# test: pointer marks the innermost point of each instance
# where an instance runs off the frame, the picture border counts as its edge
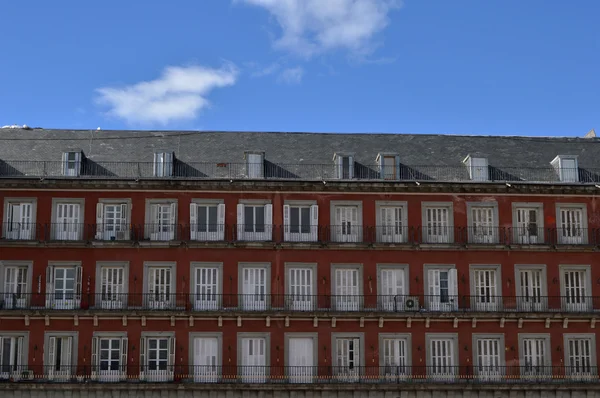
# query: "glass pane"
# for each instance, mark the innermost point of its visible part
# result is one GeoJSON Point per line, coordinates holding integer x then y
{"type": "Point", "coordinates": [212, 219]}
{"type": "Point", "coordinates": [248, 218]}
{"type": "Point", "coordinates": [294, 219]}
{"type": "Point", "coordinates": [260, 219]}
{"type": "Point", "coordinates": [305, 219]}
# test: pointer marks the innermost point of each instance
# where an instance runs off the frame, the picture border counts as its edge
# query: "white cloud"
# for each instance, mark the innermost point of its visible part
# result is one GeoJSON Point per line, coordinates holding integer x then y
{"type": "Point", "coordinates": [291, 75]}
{"type": "Point", "coordinates": [313, 26]}
{"type": "Point", "coordinates": [178, 94]}
{"type": "Point", "coordinates": [266, 71]}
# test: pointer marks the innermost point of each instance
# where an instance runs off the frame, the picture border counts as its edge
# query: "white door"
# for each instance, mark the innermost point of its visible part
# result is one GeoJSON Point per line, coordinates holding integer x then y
{"type": "Point", "coordinates": [206, 294]}
{"type": "Point", "coordinates": [529, 297]}
{"type": "Point", "coordinates": [255, 165]}
{"type": "Point", "coordinates": [479, 169]}
{"type": "Point", "coordinates": [66, 295]}
{"type": "Point", "coordinates": [527, 232]}
{"type": "Point", "coordinates": [568, 170]}
{"type": "Point", "coordinates": [392, 228]}
{"type": "Point", "coordinates": [486, 290]}
{"type": "Point", "coordinates": [114, 224]}
{"type": "Point", "coordinates": [442, 292]}
{"type": "Point", "coordinates": [112, 295]}
{"type": "Point", "coordinates": [488, 359]}
{"type": "Point", "coordinates": [347, 292]}
{"type": "Point", "coordinates": [301, 360]}
{"type": "Point", "coordinates": [159, 289]}
{"type": "Point", "coordinates": [347, 364]}
{"type": "Point", "coordinates": [254, 289]}
{"type": "Point", "coordinates": [163, 222]}
{"type": "Point", "coordinates": [254, 360]}
{"type": "Point", "coordinates": [20, 224]}
{"type": "Point", "coordinates": [158, 366]}
{"type": "Point", "coordinates": [571, 230]}
{"type": "Point", "coordinates": [437, 228]}
{"type": "Point", "coordinates": [392, 295]}
{"type": "Point", "coordinates": [110, 366]}
{"type": "Point", "coordinates": [575, 292]}
{"type": "Point", "coordinates": [346, 220]}
{"type": "Point", "coordinates": [442, 359]}
{"type": "Point", "coordinates": [534, 357]}
{"type": "Point", "coordinates": [301, 296]}
{"type": "Point", "coordinates": [15, 287]}
{"type": "Point", "coordinates": [10, 356]}
{"type": "Point", "coordinates": [67, 225]}
{"type": "Point", "coordinates": [394, 358]}
{"type": "Point", "coordinates": [59, 358]}
{"type": "Point", "coordinates": [206, 368]}
{"type": "Point", "coordinates": [580, 358]}
{"type": "Point", "coordinates": [482, 230]}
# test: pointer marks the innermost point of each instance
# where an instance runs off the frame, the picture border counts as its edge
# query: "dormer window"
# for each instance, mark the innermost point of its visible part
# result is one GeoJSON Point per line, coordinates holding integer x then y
{"type": "Point", "coordinates": [71, 164]}
{"type": "Point", "coordinates": [344, 166]}
{"type": "Point", "coordinates": [566, 167]}
{"type": "Point", "coordinates": [255, 164]}
{"type": "Point", "coordinates": [163, 164]}
{"type": "Point", "coordinates": [478, 167]}
{"type": "Point", "coordinates": [389, 166]}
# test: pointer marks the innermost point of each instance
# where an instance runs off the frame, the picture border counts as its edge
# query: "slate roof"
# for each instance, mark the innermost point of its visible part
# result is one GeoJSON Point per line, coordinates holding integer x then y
{"type": "Point", "coordinates": [415, 151]}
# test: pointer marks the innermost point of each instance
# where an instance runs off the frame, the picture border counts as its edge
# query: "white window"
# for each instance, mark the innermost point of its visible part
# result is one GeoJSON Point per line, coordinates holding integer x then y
{"type": "Point", "coordinates": [344, 166]}
{"type": "Point", "coordinates": [206, 285]}
{"type": "Point", "coordinates": [68, 224]}
{"type": "Point", "coordinates": [11, 356]}
{"type": "Point", "coordinates": [489, 352]}
{"type": "Point", "coordinates": [528, 224]}
{"type": "Point", "coordinates": [531, 288]}
{"type": "Point", "coordinates": [255, 287]}
{"type": "Point", "coordinates": [113, 289]}
{"type": "Point", "coordinates": [162, 221]}
{"type": "Point", "coordinates": [207, 221]}
{"type": "Point", "coordinates": [163, 164]}
{"type": "Point", "coordinates": [253, 362]}
{"type": "Point", "coordinates": [442, 289]}
{"type": "Point", "coordinates": [535, 356]}
{"type": "Point", "coordinates": [255, 164]}
{"type": "Point", "coordinates": [580, 356]}
{"type": "Point", "coordinates": [566, 167]}
{"type": "Point", "coordinates": [393, 288]}
{"type": "Point", "coordinates": [71, 164]}
{"type": "Point", "coordinates": [160, 285]}
{"type": "Point", "coordinates": [442, 357]}
{"type": "Point", "coordinates": [109, 358]}
{"type": "Point", "coordinates": [63, 287]}
{"type": "Point", "coordinates": [437, 223]}
{"type": "Point", "coordinates": [346, 225]}
{"type": "Point", "coordinates": [486, 288]}
{"type": "Point", "coordinates": [112, 221]}
{"type": "Point", "coordinates": [389, 165]}
{"type": "Point", "coordinates": [60, 357]}
{"type": "Point", "coordinates": [571, 224]}
{"type": "Point", "coordinates": [300, 223]}
{"type": "Point", "coordinates": [206, 359]}
{"type": "Point", "coordinates": [301, 359]}
{"type": "Point", "coordinates": [395, 356]}
{"type": "Point", "coordinates": [478, 168]}
{"type": "Point", "coordinates": [157, 358]}
{"type": "Point", "coordinates": [347, 359]}
{"type": "Point", "coordinates": [391, 222]}
{"type": "Point", "coordinates": [19, 222]}
{"type": "Point", "coordinates": [347, 288]}
{"type": "Point", "coordinates": [301, 294]}
{"type": "Point", "coordinates": [16, 286]}
{"type": "Point", "coordinates": [576, 288]}
{"type": "Point", "coordinates": [483, 223]}
{"type": "Point", "coordinates": [255, 222]}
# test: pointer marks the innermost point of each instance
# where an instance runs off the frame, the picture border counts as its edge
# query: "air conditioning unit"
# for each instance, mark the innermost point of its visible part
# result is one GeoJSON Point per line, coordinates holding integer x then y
{"type": "Point", "coordinates": [411, 303]}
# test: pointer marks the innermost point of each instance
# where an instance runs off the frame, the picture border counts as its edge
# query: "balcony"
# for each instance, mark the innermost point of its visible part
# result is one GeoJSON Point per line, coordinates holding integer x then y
{"type": "Point", "coordinates": [236, 374]}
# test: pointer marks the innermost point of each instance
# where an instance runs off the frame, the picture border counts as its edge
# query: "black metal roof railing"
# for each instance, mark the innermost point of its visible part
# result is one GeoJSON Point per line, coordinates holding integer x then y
{"type": "Point", "coordinates": [90, 169]}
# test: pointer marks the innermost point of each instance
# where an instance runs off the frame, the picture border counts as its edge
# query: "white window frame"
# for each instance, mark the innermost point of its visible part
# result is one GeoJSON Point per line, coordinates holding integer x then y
{"type": "Point", "coordinates": [296, 298]}
{"type": "Point", "coordinates": [486, 302]}
{"type": "Point", "coordinates": [434, 302]}
{"type": "Point", "coordinates": [341, 373]}
{"type": "Point", "coordinates": [157, 375]}
{"type": "Point", "coordinates": [576, 303]}
{"type": "Point", "coordinates": [494, 371]}
{"type": "Point", "coordinates": [566, 175]}
{"type": "Point", "coordinates": [121, 229]}
{"type": "Point", "coordinates": [442, 238]}
{"type": "Point", "coordinates": [301, 373]}
{"type": "Point", "coordinates": [255, 164]}
{"type": "Point", "coordinates": [19, 230]}
{"type": "Point", "coordinates": [251, 301]}
{"type": "Point", "coordinates": [345, 302]}
{"type": "Point", "coordinates": [109, 375]}
{"type": "Point", "coordinates": [313, 227]}
{"type": "Point", "coordinates": [207, 235]}
{"type": "Point", "coordinates": [483, 234]}
{"type": "Point", "coordinates": [392, 233]}
{"type": "Point", "coordinates": [384, 173]}
{"type": "Point", "coordinates": [339, 172]}
{"type": "Point", "coordinates": [206, 373]}
{"type": "Point", "coordinates": [74, 171]}
{"type": "Point", "coordinates": [159, 300]}
{"type": "Point", "coordinates": [21, 355]}
{"type": "Point", "coordinates": [397, 371]}
{"type": "Point", "coordinates": [163, 164]}
{"type": "Point", "coordinates": [74, 231]}
{"type": "Point", "coordinates": [265, 235]}
{"type": "Point", "coordinates": [477, 172]}
{"type": "Point", "coordinates": [521, 235]}
{"type": "Point", "coordinates": [15, 299]}
{"type": "Point", "coordinates": [337, 231]}
{"type": "Point", "coordinates": [447, 371]}
{"type": "Point", "coordinates": [249, 373]}
{"type": "Point", "coordinates": [533, 303]}
{"type": "Point", "coordinates": [572, 371]}
{"type": "Point", "coordinates": [206, 301]}
{"type": "Point", "coordinates": [154, 229]}
{"type": "Point", "coordinates": [572, 239]}
{"type": "Point", "coordinates": [538, 370]}
{"type": "Point", "coordinates": [397, 302]}
{"type": "Point", "coordinates": [61, 374]}
{"type": "Point", "coordinates": [65, 303]}
{"type": "Point", "coordinates": [112, 300]}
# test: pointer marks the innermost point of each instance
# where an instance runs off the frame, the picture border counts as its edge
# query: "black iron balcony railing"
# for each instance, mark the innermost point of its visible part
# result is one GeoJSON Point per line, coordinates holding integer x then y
{"type": "Point", "coordinates": [91, 169]}
{"type": "Point", "coordinates": [109, 299]}
{"type": "Point", "coordinates": [161, 371]}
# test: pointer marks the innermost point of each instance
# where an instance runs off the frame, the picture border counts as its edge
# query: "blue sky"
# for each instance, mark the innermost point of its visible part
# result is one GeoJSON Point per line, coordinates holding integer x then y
{"type": "Point", "coordinates": [414, 66]}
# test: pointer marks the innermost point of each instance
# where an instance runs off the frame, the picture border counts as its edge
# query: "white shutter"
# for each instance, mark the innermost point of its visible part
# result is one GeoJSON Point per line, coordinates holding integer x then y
{"type": "Point", "coordinates": [193, 221]}
{"type": "Point", "coordinates": [168, 164]}
{"type": "Point", "coordinates": [124, 355]}
{"type": "Point", "coordinates": [142, 355]}
{"type": "Point", "coordinates": [382, 167]}
{"type": "Point", "coordinates": [68, 353]}
{"type": "Point", "coordinates": [339, 164]}
{"type": "Point", "coordinates": [350, 167]}
{"type": "Point", "coordinates": [268, 221]}
{"type": "Point", "coordinates": [240, 221]}
{"type": "Point", "coordinates": [51, 352]}
{"type": "Point", "coordinates": [95, 348]}
{"type": "Point", "coordinates": [286, 223]}
{"type": "Point", "coordinates": [221, 220]}
{"type": "Point", "coordinates": [173, 220]}
{"type": "Point", "coordinates": [65, 163]}
{"type": "Point", "coordinates": [99, 220]}
{"type": "Point", "coordinates": [314, 223]}
{"type": "Point", "coordinates": [453, 285]}
{"type": "Point", "coordinates": [356, 229]}
{"type": "Point", "coordinates": [433, 280]}
{"type": "Point", "coordinates": [78, 279]}
{"type": "Point", "coordinates": [49, 282]}
{"type": "Point", "coordinates": [20, 359]}
{"type": "Point", "coordinates": [171, 354]}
